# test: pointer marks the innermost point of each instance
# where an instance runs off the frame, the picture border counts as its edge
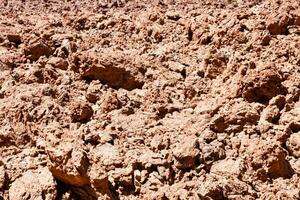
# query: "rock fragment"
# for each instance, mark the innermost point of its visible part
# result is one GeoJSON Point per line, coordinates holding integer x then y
{"type": "Point", "coordinates": [69, 165]}
{"type": "Point", "coordinates": [99, 181]}
{"type": "Point", "coordinates": [14, 37]}
{"type": "Point", "coordinates": [112, 70]}
{"type": "Point", "coordinates": [293, 144]}
{"type": "Point", "coordinates": [94, 92]}
{"type": "Point", "coordinates": [81, 112]}
{"type": "Point", "coordinates": [58, 62]}
{"type": "Point", "coordinates": [186, 153]}
{"type": "Point", "coordinates": [234, 116]}
{"type": "Point", "coordinates": [106, 154]}
{"type": "Point", "coordinates": [292, 117]}
{"type": "Point", "coordinates": [173, 15]}
{"type": "Point", "coordinates": [212, 152]}
{"type": "Point", "coordinates": [266, 159]}
{"type": "Point", "coordinates": [123, 177]}
{"type": "Point", "coordinates": [34, 50]}
{"type": "Point", "coordinates": [34, 184]}
{"type": "Point", "coordinates": [270, 114]}
{"type": "Point", "coordinates": [216, 187]}
{"type": "Point", "coordinates": [227, 167]}
{"type": "Point", "coordinates": [262, 84]}
{"type": "Point", "coordinates": [160, 142]}
{"type": "Point", "coordinates": [277, 24]}
{"type": "Point", "coordinates": [214, 64]}
{"type": "Point", "coordinates": [110, 102]}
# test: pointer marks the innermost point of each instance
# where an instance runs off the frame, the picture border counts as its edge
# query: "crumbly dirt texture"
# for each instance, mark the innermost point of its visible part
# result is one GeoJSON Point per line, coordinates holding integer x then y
{"type": "Point", "coordinates": [162, 99]}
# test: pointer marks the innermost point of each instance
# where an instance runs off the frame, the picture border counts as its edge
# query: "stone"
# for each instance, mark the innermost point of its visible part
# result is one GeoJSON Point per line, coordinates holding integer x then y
{"type": "Point", "coordinates": [81, 112]}
{"type": "Point", "coordinates": [14, 37]}
{"type": "Point", "coordinates": [110, 102]}
{"type": "Point", "coordinates": [292, 118]}
{"type": "Point", "coordinates": [173, 15]}
{"type": "Point", "coordinates": [266, 159]}
{"type": "Point", "coordinates": [111, 69]}
{"type": "Point", "coordinates": [59, 63]}
{"type": "Point", "coordinates": [277, 25]}
{"type": "Point", "coordinates": [269, 114]}
{"type": "Point", "coordinates": [123, 176]}
{"type": "Point", "coordinates": [293, 144]}
{"type": "Point", "coordinates": [99, 180]}
{"type": "Point", "coordinates": [69, 164]}
{"type": "Point", "coordinates": [227, 167]}
{"type": "Point", "coordinates": [94, 92]}
{"type": "Point", "coordinates": [107, 154]}
{"type": "Point", "coordinates": [262, 84]}
{"type": "Point", "coordinates": [34, 184]}
{"type": "Point", "coordinates": [36, 49]}
{"type": "Point", "coordinates": [234, 116]}
{"type": "Point", "coordinates": [186, 153]}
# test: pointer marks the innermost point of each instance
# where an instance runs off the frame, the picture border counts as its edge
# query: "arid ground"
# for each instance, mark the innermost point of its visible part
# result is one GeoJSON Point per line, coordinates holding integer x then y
{"type": "Point", "coordinates": [154, 100]}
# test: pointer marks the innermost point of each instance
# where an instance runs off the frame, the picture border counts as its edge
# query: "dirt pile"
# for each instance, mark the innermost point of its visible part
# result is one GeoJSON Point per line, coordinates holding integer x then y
{"type": "Point", "coordinates": [149, 99]}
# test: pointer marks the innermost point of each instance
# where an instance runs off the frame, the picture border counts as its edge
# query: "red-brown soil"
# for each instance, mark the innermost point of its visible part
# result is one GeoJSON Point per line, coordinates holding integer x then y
{"type": "Point", "coordinates": [163, 99]}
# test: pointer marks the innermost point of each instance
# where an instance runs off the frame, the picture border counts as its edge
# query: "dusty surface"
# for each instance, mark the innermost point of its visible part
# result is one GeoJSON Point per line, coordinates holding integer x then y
{"type": "Point", "coordinates": [149, 99]}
